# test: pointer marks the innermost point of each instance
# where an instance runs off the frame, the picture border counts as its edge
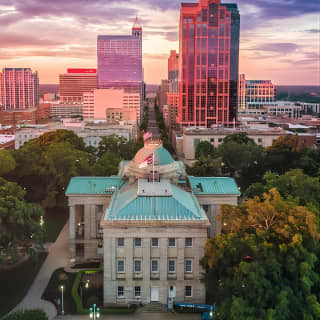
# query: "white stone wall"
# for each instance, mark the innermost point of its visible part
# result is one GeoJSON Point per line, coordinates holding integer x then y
{"type": "Point", "coordinates": [147, 279]}
{"type": "Point", "coordinates": [188, 145]}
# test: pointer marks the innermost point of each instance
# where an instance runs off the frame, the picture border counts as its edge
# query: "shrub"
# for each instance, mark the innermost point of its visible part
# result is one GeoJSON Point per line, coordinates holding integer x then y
{"type": "Point", "coordinates": [93, 300]}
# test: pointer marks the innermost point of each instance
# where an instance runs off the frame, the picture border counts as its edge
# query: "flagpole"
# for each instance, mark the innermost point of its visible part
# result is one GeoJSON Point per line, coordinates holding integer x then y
{"type": "Point", "coordinates": [153, 167]}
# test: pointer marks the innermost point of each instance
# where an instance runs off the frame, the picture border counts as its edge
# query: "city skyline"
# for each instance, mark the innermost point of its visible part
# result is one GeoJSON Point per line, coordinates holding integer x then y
{"type": "Point", "coordinates": [279, 40]}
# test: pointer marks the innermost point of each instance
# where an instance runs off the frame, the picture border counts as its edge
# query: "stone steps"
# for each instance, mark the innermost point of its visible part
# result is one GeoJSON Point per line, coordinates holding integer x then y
{"type": "Point", "coordinates": [154, 307]}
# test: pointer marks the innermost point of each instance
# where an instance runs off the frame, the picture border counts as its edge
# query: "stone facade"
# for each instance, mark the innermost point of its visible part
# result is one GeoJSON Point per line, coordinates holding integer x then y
{"type": "Point", "coordinates": [150, 277]}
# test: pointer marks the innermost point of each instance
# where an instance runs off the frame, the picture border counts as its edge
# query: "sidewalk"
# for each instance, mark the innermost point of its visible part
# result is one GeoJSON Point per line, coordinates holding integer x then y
{"type": "Point", "coordinates": [58, 257]}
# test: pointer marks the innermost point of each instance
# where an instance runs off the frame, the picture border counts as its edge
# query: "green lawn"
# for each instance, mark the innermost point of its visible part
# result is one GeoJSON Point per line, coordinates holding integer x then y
{"type": "Point", "coordinates": [55, 219]}
{"type": "Point", "coordinates": [15, 282]}
{"type": "Point", "coordinates": [53, 292]}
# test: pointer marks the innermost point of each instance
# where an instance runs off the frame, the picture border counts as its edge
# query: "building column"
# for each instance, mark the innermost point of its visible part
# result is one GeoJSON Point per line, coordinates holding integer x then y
{"type": "Point", "coordinates": [93, 222]}
{"type": "Point", "coordinates": [180, 269]}
{"type": "Point", "coordinates": [163, 270]}
{"type": "Point", "coordinates": [146, 284]}
{"type": "Point", "coordinates": [72, 232]}
{"type": "Point", "coordinates": [87, 222]}
{"type": "Point", "coordinates": [72, 222]}
{"type": "Point", "coordinates": [109, 286]}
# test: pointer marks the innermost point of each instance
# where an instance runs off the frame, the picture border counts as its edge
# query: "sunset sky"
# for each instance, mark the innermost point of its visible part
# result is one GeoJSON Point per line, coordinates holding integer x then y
{"type": "Point", "coordinates": [280, 39]}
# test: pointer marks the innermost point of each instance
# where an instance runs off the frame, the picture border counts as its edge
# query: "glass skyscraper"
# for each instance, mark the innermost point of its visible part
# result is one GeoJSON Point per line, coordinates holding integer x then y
{"type": "Point", "coordinates": [120, 59]}
{"type": "Point", "coordinates": [208, 64]}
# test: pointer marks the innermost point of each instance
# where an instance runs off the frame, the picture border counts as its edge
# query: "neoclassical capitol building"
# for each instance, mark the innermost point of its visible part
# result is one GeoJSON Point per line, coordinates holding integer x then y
{"type": "Point", "coordinates": [149, 226]}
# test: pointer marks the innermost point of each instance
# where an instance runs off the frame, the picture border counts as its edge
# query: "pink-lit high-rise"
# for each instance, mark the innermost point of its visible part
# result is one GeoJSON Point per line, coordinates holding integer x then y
{"type": "Point", "coordinates": [19, 89]}
{"type": "Point", "coordinates": [208, 63]}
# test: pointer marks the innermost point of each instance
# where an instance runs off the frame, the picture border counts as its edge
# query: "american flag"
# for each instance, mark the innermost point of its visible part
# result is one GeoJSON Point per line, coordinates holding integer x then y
{"type": "Point", "coordinates": [148, 161]}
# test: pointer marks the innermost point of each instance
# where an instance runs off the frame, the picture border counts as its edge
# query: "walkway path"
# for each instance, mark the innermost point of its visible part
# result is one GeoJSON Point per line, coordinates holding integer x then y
{"type": "Point", "coordinates": [58, 257]}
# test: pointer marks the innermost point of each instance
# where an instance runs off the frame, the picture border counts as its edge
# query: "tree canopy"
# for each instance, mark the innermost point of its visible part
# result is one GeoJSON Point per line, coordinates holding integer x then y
{"type": "Point", "coordinates": [7, 162]}
{"type": "Point", "coordinates": [293, 184]}
{"type": "Point", "coordinates": [19, 221]}
{"type": "Point", "coordinates": [205, 149]}
{"type": "Point", "coordinates": [265, 263]}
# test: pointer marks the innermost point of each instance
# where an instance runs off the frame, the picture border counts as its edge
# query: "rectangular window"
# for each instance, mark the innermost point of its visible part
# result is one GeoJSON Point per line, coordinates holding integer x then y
{"type": "Point", "coordinates": [137, 265]}
{"type": "Point", "coordinates": [137, 292]}
{"type": "Point", "coordinates": [154, 266]}
{"type": "Point", "coordinates": [120, 242]}
{"type": "Point", "coordinates": [187, 265]}
{"type": "Point", "coordinates": [99, 208]}
{"type": "Point", "coordinates": [188, 291]}
{"type": "Point", "coordinates": [188, 242]}
{"type": "Point", "coordinates": [137, 242]}
{"type": "Point", "coordinates": [155, 242]}
{"type": "Point", "coordinates": [172, 242]}
{"type": "Point", "coordinates": [120, 265]}
{"type": "Point", "coordinates": [171, 266]}
{"type": "Point", "coordinates": [120, 292]}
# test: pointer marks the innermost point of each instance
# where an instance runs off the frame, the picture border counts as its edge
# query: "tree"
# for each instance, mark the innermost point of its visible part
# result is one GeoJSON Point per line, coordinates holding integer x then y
{"type": "Point", "coordinates": [107, 165]}
{"type": "Point", "coordinates": [309, 161]}
{"type": "Point", "coordinates": [59, 136]}
{"type": "Point", "coordinates": [242, 158]}
{"type": "Point", "coordinates": [205, 167]}
{"type": "Point", "coordinates": [7, 162]}
{"type": "Point", "coordinates": [205, 149]}
{"type": "Point", "coordinates": [264, 264]}
{"type": "Point", "coordinates": [240, 138]}
{"type": "Point", "coordinates": [19, 221]}
{"type": "Point", "coordinates": [64, 163]}
{"type": "Point", "coordinates": [32, 171]}
{"type": "Point", "coordinates": [111, 144]}
{"type": "Point", "coordinates": [283, 153]}
{"type": "Point", "coordinates": [293, 184]}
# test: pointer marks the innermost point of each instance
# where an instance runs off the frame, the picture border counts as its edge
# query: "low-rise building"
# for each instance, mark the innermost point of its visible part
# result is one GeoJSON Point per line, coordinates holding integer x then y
{"type": "Point", "coordinates": [149, 226]}
{"type": "Point", "coordinates": [192, 136]}
{"type": "Point", "coordinates": [7, 141]}
{"type": "Point", "coordinates": [59, 110]}
{"type": "Point", "coordinates": [90, 132]}
{"type": "Point", "coordinates": [97, 103]}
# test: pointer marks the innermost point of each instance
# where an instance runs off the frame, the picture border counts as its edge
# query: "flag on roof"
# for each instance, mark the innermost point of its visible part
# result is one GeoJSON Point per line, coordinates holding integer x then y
{"type": "Point", "coordinates": [148, 161]}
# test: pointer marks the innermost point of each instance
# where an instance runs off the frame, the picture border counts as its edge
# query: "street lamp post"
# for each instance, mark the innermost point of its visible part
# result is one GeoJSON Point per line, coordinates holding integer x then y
{"type": "Point", "coordinates": [62, 306]}
{"type": "Point", "coordinates": [94, 312]}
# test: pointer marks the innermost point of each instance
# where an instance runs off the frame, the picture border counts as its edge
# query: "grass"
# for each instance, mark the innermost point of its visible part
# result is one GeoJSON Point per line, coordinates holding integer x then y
{"type": "Point", "coordinates": [55, 219]}
{"type": "Point", "coordinates": [16, 281]}
{"type": "Point", "coordinates": [53, 292]}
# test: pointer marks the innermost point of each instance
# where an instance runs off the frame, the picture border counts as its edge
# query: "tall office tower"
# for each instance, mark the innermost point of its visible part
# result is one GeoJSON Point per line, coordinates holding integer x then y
{"type": "Point", "coordinates": [173, 71]}
{"type": "Point", "coordinates": [208, 63]}
{"type": "Point", "coordinates": [163, 92]}
{"type": "Point", "coordinates": [19, 88]}
{"type": "Point", "coordinates": [75, 82]}
{"type": "Point", "coordinates": [120, 62]}
{"type": "Point", "coordinates": [173, 94]}
{"type": "Point", "coordinates": [120, 59]}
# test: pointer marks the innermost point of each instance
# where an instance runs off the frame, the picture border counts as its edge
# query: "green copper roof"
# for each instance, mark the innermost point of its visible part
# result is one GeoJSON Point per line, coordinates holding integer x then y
{"type": "Point", "coordinates": [213, 185]}
{"type": "Point", "coordinates": [127, 205]}
{"type": "Point", "coordinates": [93, 185]}
{"type": "Point", "coordinates": [162, 156]}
